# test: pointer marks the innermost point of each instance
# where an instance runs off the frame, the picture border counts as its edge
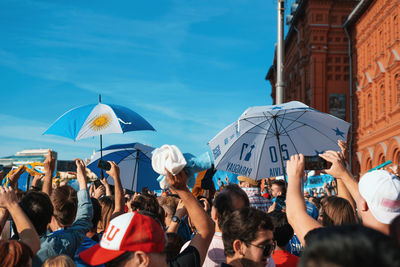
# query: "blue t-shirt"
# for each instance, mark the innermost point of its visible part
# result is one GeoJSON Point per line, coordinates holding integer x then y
{"type": "Point", "coordinates": [294, 246]}
{"type": "Point", "coordinates": [87, 243]}
{"type": "Point", "coordinates": [312, 210]}
{"type": "Point", "coordinates": [280, 203]}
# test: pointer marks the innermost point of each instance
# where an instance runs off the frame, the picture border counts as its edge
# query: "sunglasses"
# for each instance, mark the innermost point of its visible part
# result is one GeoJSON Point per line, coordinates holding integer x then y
{"type": "Point", "coordinates": [267, 249]}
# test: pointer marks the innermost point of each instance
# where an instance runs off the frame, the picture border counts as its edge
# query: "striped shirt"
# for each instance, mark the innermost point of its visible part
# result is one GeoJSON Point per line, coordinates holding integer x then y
{"type": "Point", "coordinates": [256, 200]}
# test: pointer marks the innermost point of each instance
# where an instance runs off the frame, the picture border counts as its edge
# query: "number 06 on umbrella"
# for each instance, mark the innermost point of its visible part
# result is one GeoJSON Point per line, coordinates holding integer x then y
{"type": "Point", "coordinates": [260, 142]}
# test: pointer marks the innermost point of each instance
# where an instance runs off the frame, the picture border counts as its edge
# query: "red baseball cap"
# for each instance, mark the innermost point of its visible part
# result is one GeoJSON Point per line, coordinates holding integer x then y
{"type": "Point", "coordinates": [127, 232]}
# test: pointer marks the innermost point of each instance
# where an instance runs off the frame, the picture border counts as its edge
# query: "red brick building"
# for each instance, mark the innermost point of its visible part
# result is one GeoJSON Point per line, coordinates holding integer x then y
{"type": "Point", "coordinates": [375, 48]}
{"type": "Point", "coordinates": [363, 89]}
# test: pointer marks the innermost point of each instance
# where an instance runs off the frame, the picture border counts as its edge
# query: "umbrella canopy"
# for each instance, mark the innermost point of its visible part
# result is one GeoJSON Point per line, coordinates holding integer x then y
{"type": "Point", "coordinates": [134, 162]}
{"type": "Point", "coordinates": [258, 144]}
{"type": "Point", "coordinates": [97, 119]}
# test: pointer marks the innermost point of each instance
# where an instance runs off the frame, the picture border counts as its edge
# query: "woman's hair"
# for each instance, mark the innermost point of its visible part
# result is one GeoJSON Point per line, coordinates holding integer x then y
{"type": "Point", "coordinates": [65, 202]}
{"type": "Point", "coordinates": [59, 261]}
{"type": "Point", "coordinates": [337, 211]}
{"type": "Point", "coordinates": [14, 253]}
{"type": "Point", "coordinates": [107, 209]}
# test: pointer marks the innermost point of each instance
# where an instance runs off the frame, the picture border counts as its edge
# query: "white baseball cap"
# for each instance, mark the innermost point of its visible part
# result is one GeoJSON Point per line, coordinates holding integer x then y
{"type": "Point", "coordinates": [381, 191]}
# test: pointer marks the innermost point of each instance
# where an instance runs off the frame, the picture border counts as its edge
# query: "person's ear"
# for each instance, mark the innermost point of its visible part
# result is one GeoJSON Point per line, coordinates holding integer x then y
{"type": "Point", "coordinates": [214, 215]}
{"type": "Point", "coordinates": [141, 259]}
{"type": "Point", "coordinates": [363, 205]}
{"type": "Point", "coordinates": [238, 247]}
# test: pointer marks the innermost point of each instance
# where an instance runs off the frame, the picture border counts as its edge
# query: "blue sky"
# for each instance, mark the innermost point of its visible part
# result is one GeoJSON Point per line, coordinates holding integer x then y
{"type": "Point", "coordinates": [189, 67]}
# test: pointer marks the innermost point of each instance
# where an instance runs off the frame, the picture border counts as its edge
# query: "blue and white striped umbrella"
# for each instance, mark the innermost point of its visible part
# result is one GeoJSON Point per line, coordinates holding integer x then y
{"type": "Point", "coordinates": [260, 142]}
{"type": "Point", "coordinates": [134, 162]}
{"type": "Point", "coordinates": [97, 119]}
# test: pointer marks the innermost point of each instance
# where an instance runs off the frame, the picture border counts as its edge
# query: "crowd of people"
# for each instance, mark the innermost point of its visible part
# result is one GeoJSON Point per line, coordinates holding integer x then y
{"type": "Point", "coordinates": [355, 223]}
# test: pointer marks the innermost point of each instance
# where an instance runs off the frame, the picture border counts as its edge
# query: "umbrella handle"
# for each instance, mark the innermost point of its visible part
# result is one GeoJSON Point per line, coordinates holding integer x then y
{"type": "Point", "coordinates": [280, 151]}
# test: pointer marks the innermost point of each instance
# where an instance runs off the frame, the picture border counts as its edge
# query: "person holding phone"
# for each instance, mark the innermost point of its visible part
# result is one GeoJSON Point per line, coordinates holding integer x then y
{"type": "Point", "coordinates": [336, 210]}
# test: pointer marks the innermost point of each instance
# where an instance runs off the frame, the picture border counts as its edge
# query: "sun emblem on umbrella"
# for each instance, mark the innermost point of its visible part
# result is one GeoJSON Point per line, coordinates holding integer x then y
{"type": "Point", "coordinates": [100, 122]}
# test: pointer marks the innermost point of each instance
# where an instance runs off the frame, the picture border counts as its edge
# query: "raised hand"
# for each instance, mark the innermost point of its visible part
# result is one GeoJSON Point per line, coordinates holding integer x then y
{"type": "Point", "coordinates": [338, 168]}
{"type": "Point", "coordinates": [99, 191]}
{"type": "Point", "coordinates": [114, 171]}
{"type": "Point", "coordinates": [177, 182]}
{"type": "Point", "coordinates": [104, 181]}
{"type": "Point", "coordinates": [81, 173]}
{"type": "Point", "coordinates": [7, 197]}
{"type": "Point", "coordinates": [14, 176]}
{"type": "Point", "coordinates": [49, 163]}
{"type": "Point", "coordinates": [106, 186]}
{"type": "Point", "coordinates": [295, 167]}
{"type": "Point", "coordinates": [37, 178]}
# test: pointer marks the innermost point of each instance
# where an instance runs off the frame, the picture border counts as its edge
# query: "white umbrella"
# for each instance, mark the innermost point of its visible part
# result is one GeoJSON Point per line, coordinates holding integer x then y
{"type": "Point", "coordinates": [258, 144]}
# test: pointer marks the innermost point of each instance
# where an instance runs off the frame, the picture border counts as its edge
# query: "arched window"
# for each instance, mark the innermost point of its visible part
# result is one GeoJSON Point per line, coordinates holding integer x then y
{"type": "Point", "coordinates": [381, 159]}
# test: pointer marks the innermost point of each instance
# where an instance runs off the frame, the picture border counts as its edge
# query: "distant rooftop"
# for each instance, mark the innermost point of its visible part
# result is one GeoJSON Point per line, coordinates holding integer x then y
{"type": "Point", "coordinates": [32, 152]}
{"type": "Point", "coordinates": [24, 157]}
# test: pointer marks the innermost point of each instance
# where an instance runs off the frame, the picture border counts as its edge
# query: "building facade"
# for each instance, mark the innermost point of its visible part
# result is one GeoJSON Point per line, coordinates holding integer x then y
{"type": "Point", "coordinates": [316, 64]}
{"type": "Point", "coordinates": [375, 48]}
{"type": "Point", "coordinates": [364, 88]}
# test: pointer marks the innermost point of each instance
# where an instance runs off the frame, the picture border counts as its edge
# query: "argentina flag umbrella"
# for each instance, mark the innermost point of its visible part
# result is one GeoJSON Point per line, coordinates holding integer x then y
{"type": "Point", "coordinates": [260, 142]}
{"type": "Point", "coordinates": [97, 120]}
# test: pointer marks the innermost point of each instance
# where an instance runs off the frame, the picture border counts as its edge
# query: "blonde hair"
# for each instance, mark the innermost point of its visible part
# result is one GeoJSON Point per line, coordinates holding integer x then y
{"type": "Point", "coordinates": [59, 261]}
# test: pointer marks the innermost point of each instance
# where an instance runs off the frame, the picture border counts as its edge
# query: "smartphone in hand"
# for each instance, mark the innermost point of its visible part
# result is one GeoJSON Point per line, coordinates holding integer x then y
{"type": "Point", "coordinates": [102, 164]}
{"type": "Point", "coordinates": [315, 163]}
{"type": "Point", "coordinates": [97, 183]}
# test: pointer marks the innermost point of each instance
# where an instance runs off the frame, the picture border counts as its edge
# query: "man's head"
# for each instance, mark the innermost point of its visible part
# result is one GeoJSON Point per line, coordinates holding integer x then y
{"type": "Point", "coordinates": [248, 237]}
{"type": "Point", "coordinates": [147, 202]}
{"type": "Point", "coordinates": [129, 240]}
{"type": "Point", "coordinates": [37, 206]}
{"type": "Point", "coordinates": [231, 198]}
{"type": "Point", "coordinates": [278, 188]}
{"type": "Point", "coordinates": [65, 203]}
{"type": "Point", "coordinates": [349, 245]}
{"type": "Point", "coordinates": [247, 182]}
{"type": "Point", "coordinates": [283, 232]}
{"type": "Point", "coordinates": [380, 202]}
